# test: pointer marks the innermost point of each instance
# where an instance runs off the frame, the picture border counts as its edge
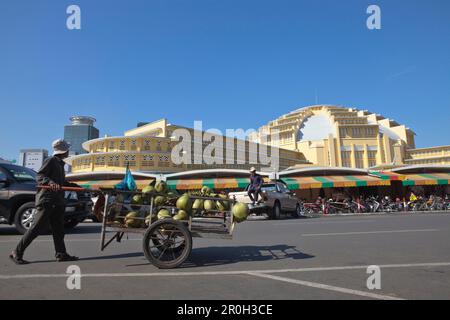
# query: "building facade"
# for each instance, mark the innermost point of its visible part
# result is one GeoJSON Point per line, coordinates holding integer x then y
{"type": "Point", "coordinates": [148, 148]}
{"type": "Point", "coordinates": [80, 130]}
{"type": "Point", "coordinates": [32, 158]}
{"type": "Point", "coordinates": [320, 135]}
{"type": "Point", "coordinates": [347, 137]}
{"type": "Point", "coordinates": [432, 155]}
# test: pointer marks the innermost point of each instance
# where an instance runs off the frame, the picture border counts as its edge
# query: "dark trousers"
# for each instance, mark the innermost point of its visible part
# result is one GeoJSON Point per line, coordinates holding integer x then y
{"type": "Point", "coordinates": [47, 215]}
{"type": "Point", "coordinates": [254, 191]}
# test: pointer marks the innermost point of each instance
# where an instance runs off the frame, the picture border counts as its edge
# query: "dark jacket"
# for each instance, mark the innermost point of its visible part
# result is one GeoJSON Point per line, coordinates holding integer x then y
{"type": "Point", "coordinates": [256, 181]}
{"type": "Point", "coordinates": [52, 170]}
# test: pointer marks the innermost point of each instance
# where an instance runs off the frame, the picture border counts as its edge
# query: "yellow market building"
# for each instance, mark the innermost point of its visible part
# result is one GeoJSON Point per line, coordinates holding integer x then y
{"type": "Point", "coordinates": [334, 136]}
{"type": "Point", "coordinates": [320, 135]}
{"type": "Point", "coordinates": [148, 148]}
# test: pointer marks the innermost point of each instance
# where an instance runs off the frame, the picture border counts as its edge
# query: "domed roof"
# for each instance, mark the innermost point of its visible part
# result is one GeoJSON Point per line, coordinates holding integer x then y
{"type": "Point", "coordinates": [318, 122]}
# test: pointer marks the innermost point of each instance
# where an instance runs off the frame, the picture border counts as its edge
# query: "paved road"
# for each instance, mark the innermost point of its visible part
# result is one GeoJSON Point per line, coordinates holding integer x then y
{"type": "Point", "coordinates": [320, 258]}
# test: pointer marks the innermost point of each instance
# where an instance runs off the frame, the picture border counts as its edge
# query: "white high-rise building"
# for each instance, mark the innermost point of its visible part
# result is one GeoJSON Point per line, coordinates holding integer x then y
{"type": "Point", "coordinates": [32, 158]}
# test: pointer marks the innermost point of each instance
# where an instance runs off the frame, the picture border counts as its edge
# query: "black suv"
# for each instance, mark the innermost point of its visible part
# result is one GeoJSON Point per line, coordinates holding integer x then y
{"type": "Point", "coordinates": [17, 195]}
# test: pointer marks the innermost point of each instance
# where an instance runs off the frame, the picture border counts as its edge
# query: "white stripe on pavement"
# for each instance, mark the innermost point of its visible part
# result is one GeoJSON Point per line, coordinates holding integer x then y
{"type": "Point", "coordinates": [321, 222]}
{"type": "Point", "coordinates": [225, 273]}
{"type": "Point", "coordinates": [325, 287]}
{"type": "Point", "coordinates": [366, 232]}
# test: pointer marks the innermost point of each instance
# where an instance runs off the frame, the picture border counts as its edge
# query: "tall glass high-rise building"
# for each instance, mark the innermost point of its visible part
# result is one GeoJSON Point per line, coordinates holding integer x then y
{"type": "Point", "coordinates": [80, 130]}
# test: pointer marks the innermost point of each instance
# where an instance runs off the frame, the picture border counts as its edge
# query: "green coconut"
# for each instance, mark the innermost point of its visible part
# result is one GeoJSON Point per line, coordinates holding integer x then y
{"type": "Point", "coordinates": [148, 190]}
{"type": "Point", "coordinates": [181, 215]}
{"type": "Point", "coordinates": [137, 199]}
{"type": "Point", "coordinates": [172, 194]}
{"type": "Point", "coordinates": [163, 214]}
{"type": "Point", "coordinates": [240, 212]}
{"type": "Point", "coordinates": [209, 205]}
{"type": "Point", "coordinates": [150, 217]}
{"type": "Point", "coordinates": [132, 215]}
{"type": "Point", "coordinates": [160, 186]}
{"type": "Point", "coordinates": [220, 206]}
{"type": "Point", "coordinates": [205, 190]}
{"type": "Point", "coordinates": [116, 223]}
{"type": "Point", "coordinates": [184, 203]}
{"type": "Point", "coordinates": [198, 204]}
{"type": "Point", "coordinates": [159, 201]}
{"type": "Point", "coordinates": [131, 221]}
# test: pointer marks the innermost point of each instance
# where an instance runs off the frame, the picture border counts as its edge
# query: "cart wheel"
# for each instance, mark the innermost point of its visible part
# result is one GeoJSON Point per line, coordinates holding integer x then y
{"type": "Point", "coordinates": [179, 246]}
{"type": "Point", "coordinates": [167, 243]}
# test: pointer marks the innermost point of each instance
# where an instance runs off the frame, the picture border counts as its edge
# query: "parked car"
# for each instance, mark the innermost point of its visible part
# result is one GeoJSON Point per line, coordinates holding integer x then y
{"type": "Point", "coordinates": [17, 199]}
{"type": "Point", "coordinates": [277, 199]}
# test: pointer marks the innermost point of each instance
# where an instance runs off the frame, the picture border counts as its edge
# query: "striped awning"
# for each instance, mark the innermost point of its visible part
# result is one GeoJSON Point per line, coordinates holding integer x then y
{"type": "Point", "coordinates": [214, 183]}
{"type": "Point", "coordinates": [107, 184]}
{"type": "Point", "coordinates": [418, 179]}
{"type": "Point", "coordinates": [423, 179]}
{"type": "Point", "coordinates": [392, 176]}
{"type": "Point", "coordinates": [295, 183]}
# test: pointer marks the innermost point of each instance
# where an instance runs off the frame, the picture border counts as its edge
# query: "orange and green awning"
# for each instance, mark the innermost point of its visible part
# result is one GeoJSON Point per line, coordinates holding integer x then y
{"type": "Point", "coordinates": [424, 179]}
{"type": "Point", "coordinates": [295, 183]}
{"type": "Point", "coordinates": [213, 183]}
{"type": "Point", "coordinates": [418, 179]}
{"type": "Point", "coordinates": [392, 176]}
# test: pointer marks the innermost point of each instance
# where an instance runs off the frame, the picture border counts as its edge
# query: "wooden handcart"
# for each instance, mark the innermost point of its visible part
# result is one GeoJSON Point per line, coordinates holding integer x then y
{"type": "Point", "coordinates": [167, 243]}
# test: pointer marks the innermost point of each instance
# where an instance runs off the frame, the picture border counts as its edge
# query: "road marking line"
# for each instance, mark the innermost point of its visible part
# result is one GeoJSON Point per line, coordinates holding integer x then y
{"type": "Point", "coordinates": [409, 265]}
{"type": "Point", "coordinates": [321, 222]}
{"type": "Point", "coordinates": [215, 273]}
{"type": "Point", "coordinates": [325, 287]}
{"type": "Point", "coordinates": [366, 232]}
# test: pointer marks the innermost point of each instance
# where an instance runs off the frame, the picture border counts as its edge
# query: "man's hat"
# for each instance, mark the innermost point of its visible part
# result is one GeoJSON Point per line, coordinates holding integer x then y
{"type": "Point", "coordinates": [60, 147]}
{"type": "Point", "coordinates": [252, 169]}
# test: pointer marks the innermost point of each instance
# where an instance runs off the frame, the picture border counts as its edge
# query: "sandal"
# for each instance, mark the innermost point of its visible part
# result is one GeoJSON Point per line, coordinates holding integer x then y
{"type": "Point", "coordinates": [62, 257]}
{"type": "Point", "coordinates": [16, 259]}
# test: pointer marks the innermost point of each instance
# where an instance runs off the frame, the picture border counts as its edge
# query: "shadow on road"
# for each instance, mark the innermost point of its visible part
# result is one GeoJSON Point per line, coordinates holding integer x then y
{"type": "Point", "coordinates": [213, 256]}
{"type": "Point", "coordinates": [86, 228]}
{"type": "Point", "coordinates": [114, 256]}
{"type": "Point", "coordinates": [110, 257]}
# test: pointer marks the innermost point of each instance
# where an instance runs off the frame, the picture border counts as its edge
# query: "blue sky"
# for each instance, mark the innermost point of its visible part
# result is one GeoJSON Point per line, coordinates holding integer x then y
{"type": "Point", "coordinates": [230, 63]}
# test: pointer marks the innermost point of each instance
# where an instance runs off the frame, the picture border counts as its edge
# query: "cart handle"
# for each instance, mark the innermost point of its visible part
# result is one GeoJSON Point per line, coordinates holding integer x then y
{"type": "Point", "coordinates": [76, 189]}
